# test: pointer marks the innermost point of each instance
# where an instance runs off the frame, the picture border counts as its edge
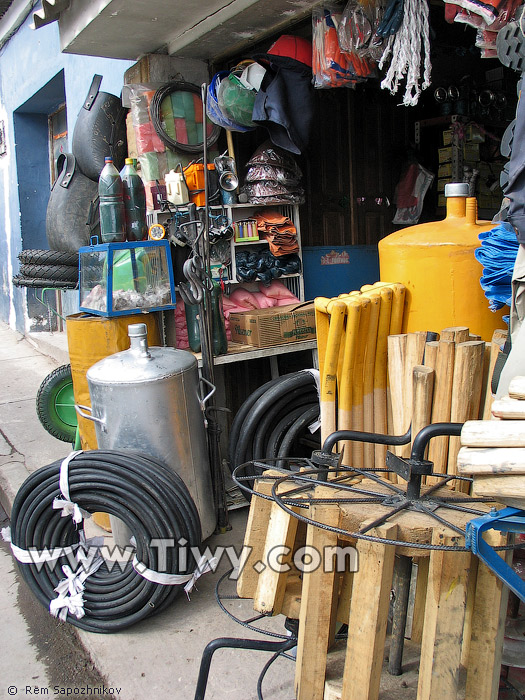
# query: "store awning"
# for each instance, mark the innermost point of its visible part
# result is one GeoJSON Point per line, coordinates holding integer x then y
{"type": "Point", "coordinates": [201, 30]}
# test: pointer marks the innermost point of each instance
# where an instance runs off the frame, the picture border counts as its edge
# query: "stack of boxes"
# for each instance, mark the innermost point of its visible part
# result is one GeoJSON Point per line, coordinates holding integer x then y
{"type": "Point", "coordinates": [460, 157]}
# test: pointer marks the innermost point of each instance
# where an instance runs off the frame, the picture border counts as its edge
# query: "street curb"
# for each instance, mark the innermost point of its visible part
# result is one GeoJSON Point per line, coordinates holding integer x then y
{"type": "Point", "coordinates": [12, 475]}
{"type": "Point", "coordinates": [53, 345]}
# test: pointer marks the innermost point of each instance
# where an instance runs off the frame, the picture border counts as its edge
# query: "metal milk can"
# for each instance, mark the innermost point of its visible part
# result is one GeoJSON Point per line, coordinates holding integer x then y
{"type": "Point", "coordinates": [147, 400]}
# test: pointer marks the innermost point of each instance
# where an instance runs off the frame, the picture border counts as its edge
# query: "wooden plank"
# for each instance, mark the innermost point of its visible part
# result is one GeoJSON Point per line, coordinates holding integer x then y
{"type": "Point", "coordinates": [271, 584]}
{"type": "Point", "coordinates": [368, 617]}
{"type": "Point", "coordinates": [491, 460]}
{"type": "Point", "coordinates": [444, 373]}
{"type": "Point", "coordinates": [444, 618]}
{"type": "Point", "coordinates": [345, 597]}
{"type": "Point", "coordinates": [488, 624]}
{"type": "Point", "coordinates": [317, 615]}
{"type": "Point", "coordinates": [418, 615]}
{"type": "Point", "coordinates": [508, 408]}
{"type": "Point", "coordinates": [487, 433]}
{"type": "Point", "coordinates": [469, 611]}
{"type": "Point", "coordinates": [507, 489]}
{"type": "Point", "coordinates": [254, 540]}
{"type": "Point", "coordinates": [517, 388]}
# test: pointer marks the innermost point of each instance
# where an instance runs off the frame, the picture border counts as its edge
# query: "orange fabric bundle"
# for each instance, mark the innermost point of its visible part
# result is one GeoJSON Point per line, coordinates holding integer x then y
{"type": "Point", "coordinates": [279, 231]}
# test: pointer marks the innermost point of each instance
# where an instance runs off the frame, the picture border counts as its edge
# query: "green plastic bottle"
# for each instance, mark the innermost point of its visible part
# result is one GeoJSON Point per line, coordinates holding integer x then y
{"type": "Point", "coordinates": [134, 202]}
{"type": "Point", "coordinates": [219, 340]}
{"type": "Point", "coordinates": [112, 216]}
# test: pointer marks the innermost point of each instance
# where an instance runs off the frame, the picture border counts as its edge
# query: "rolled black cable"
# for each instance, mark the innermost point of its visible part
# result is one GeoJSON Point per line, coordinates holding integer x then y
{"type": "Point", "coordinates": [301, 423]}
{"type": "Point", "coordinates": [242, 413]}
{"type": "Point", "coordinates": [287, 384]}
{"type": "Point", "coordinates": [142, 492]}
{"type": "Point", "coordinates": [281, 429]}
{"type": "Point", "coordinates": [302, 396]}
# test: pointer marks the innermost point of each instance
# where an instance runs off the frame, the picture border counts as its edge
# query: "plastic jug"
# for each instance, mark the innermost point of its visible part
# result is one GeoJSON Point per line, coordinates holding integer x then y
{"type": "Point", "coordinates": [134, 202]}
{"type": "Point", "coordinates": [176, 189]}
{"type": "Point", "coordinates": [112, 216]}
{"type": "Point", "coordinates": [436, 263]}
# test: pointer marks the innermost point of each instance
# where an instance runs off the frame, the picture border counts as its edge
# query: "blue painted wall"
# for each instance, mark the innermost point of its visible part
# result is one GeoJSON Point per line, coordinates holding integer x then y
{"type": "Point", "coordinates": [354, 266]}
{"type": "Point", "coordinates": [34, 78]}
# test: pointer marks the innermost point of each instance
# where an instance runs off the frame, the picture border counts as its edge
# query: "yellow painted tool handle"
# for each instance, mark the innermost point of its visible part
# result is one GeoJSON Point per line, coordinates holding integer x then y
{"type": "Point", "coordinates": [337, 311]}
{"type": "Point", "coordinates": [344, 416]}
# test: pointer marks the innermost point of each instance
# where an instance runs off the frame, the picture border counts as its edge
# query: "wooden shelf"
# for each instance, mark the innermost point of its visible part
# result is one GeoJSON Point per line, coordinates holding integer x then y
{"type": "Point", "coordinates": [237, 352]}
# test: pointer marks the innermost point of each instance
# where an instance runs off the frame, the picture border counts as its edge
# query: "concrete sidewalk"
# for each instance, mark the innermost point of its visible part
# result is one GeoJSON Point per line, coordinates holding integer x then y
{"type": "Point", "coordinates": [160, 657]}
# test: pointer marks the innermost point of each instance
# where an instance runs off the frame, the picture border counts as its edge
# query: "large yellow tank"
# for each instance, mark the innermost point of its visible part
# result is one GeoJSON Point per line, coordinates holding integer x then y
{"type": "Point", "coordinates": [436, 263]}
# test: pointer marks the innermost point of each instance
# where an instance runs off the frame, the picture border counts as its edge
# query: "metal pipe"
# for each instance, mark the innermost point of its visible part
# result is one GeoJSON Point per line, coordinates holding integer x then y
{"type": "Point", "coordinates": [401, 585]}
{"type": "Point", "coordinates": [376, 438]}
{"type": "Point", "coordinates": [230, 643]}
{"type": "Point", "coordinates": [422, 439]}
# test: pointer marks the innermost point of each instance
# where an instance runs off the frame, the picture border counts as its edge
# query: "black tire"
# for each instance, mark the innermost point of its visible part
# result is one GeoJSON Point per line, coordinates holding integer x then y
{"type": "Point", "coordinates": [48, 257]}
{"type": "Point", "coordinates": [36, 283]}
{"type": "Point", "coordinates": [55, 405]}
{"type": "Point", "coordinates": [62, 273]}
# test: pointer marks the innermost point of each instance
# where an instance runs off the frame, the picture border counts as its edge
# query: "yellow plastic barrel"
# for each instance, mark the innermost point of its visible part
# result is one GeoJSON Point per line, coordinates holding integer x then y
{"type": "Point", "coordinates": [436, 263]}
{"type": "Point", "coordinates": [90, 339]}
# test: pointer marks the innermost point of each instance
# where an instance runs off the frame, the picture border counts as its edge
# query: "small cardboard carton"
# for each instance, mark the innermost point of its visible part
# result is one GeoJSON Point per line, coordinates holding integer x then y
{"type": "Point", "coordinates": [263, 328]}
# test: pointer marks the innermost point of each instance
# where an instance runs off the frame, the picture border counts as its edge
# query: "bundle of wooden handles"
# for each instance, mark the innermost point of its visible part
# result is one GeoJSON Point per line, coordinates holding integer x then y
{"type": "Point", "coordinates": [376, 379]}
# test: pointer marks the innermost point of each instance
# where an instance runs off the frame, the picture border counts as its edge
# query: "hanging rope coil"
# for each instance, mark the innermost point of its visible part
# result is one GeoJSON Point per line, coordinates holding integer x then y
{"type": "Point", "coordinates": [405, 48]}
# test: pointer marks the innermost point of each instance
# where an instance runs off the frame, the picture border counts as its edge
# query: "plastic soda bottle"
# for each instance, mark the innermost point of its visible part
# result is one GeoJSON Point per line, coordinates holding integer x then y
{"type": "Point", "coordinates": [112, 217]}
{"type": "Point", "coordinates": [134, 202]}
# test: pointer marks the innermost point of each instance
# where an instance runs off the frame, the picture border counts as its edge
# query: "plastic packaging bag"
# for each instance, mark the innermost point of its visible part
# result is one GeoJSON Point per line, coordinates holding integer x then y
{"type": "Point", "coordinates": [331, 67]}
{"type": "Point", "coordinates": [410, 193]}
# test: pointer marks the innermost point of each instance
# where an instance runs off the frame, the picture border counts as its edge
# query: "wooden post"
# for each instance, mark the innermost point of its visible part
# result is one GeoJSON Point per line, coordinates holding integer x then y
{"type": "Point", "coordinates": [318, 606]}
{"type": "Point", "coordinates": [418, 616]}
{"type": "Point", "coordinates": [368, 616]}
{"type": "Point", "coordinates": [357, 381]}
{"type": "Point", "coordinates": [458, 334]}
{"type": "Point", "coordinates": [438, 447]}
{"type": "Point", "coordinates": [397, 345]}
{"type": "Point", "coordinates": [466, 395]}
{"type": "Point", "coordinates": [368, 376]}
{"type": "Point", "coordinates": [380, 374]}
{"type": "Point", "coordinates": [271, 583]}
{"type": "Point", "coordinates": [415, 351]}
{"type": "Point", "coordinates": [444, 618]}
{"type": "Point", "coordinates": [488, 624]}
{"type": "Point", "coordinates": [498, 341]}
{"type": "Point", "coordinates": [423, 385]}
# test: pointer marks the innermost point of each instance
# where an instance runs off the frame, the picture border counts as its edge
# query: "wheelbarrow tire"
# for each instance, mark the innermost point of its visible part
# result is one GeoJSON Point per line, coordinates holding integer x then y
{"type": "Point", "coordinates": [62, 273]}
{"type": "Point", "coordinates": [55, 404]}
{"type": "Point", "coordinates": [48, 257]}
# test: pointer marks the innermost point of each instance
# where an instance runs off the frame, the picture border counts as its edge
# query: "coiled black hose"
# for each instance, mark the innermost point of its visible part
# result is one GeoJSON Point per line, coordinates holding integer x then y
{"type": "Point", "coordinates": [156, 118]}
{"type": "Point", "coordinates": [142, 492]}
{"type": "Point", "coordinates": [264, 420]}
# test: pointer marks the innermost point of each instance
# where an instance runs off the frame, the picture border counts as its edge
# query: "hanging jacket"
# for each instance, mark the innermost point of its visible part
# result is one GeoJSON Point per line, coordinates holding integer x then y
{"type": "Point", "coordinates": [515, 188]}
{"type": "Point", "coordinates": [284, 105]}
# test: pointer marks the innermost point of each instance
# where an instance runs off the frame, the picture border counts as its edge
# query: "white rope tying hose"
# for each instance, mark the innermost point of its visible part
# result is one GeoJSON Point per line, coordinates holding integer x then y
{"type": "Point", "coordinates": [405, 47]}
{"type": "Point", "coordinates": [204, 565]}
{"type": "Point", "coordinates": [66, 505]}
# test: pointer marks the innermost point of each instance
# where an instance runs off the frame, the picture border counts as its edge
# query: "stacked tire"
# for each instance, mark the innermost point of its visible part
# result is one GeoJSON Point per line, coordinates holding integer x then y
{"type": "Point", "coordinates": [47, 268]}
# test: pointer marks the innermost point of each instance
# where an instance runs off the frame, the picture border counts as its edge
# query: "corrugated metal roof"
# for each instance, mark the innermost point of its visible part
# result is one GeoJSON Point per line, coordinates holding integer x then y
{"type": "Point", "coordinates": [4, 6]}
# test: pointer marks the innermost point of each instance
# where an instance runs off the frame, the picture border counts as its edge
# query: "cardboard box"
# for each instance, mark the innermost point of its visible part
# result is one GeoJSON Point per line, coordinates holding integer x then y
{"type": "Point", "coordinates": [445, 154]}
{"type": "Point", "coordinates": [447, 137]}
{"type": "Point", "coordinates": [263, 328]}
{"type": "Point", "coordinates": [445, 170]}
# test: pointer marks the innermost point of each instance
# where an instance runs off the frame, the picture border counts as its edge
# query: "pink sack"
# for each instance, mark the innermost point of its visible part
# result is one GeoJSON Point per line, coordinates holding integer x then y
{"type": "Point", "coordinates": [264, 301]}
{"type": "Point", "coordinates": [242, 297]}
{"type": "Point", "coordinates": [277, 290]}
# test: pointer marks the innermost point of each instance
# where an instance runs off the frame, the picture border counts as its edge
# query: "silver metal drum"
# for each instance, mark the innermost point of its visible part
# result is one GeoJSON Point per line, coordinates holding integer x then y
{"type": "Point", "coordinates": [147, 400]}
